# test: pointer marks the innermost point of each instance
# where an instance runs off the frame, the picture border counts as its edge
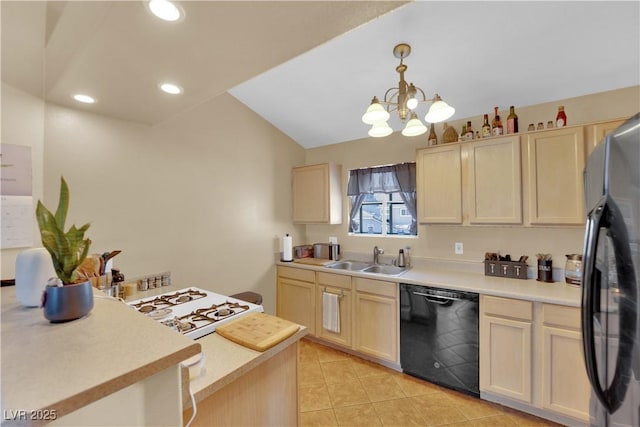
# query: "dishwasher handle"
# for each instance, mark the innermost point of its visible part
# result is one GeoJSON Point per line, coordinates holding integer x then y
{"type": "Point", "coordinates": [439, 299]}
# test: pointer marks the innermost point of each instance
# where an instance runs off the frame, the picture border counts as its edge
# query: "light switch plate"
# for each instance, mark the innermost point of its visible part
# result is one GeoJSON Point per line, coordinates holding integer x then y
{"type": "Point", "coordinates": [459, 248]}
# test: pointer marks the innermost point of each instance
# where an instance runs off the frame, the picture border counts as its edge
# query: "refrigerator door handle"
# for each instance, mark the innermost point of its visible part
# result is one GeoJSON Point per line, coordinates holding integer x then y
{"type": "Point", "coordinates": [589, 288]}
{"type": "Point", "coordinates": [607, 214]}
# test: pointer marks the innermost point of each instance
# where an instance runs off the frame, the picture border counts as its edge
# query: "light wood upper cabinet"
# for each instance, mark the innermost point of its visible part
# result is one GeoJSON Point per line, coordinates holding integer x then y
{"type": "Point", "coordinates": [494, 193]}
{"type": "Point", "coordinates": [596, 132]}
{"type": "Point", "coordinates": [340, 285]}
{"type": "Point", "coordinates": [564, 382]}
{"type": "Point", "coordinates": [555, 163]}
{"type": "Point", "coordinates": [439, 185]}
{"type": "Point", "coordinates": [376, 318]}
{"type": "Point", "coordinates": [296, 296]}
{"type": "Point", "coordinates": [506, 347]}
{"type": "Point", "coordinates": [317, 195]}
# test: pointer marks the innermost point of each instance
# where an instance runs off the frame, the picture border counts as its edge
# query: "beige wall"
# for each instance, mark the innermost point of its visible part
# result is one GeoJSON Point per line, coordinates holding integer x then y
{"type": "Point", "coordinates": [437, 241]}
{"type": "Point", "coordinates": [205, 195]}
{"type": "Point", "coordinates": [23, 124]}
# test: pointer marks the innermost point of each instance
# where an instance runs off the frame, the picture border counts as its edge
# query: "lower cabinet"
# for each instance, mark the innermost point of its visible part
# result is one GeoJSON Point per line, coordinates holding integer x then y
{"type": "Point", "coordinates": [565, 386]}
{"type": "Point", "coordinates": [296, 296]}
{"type": "Point", "coordinates": [506, 347]}
{"type": "Point", "coordinates": [376, 318]}
{"type": "Point", "coordinates": [340, 285]}
{"type": "Point", "coordinates": [531, 354]}
{"type": "Point", "coordinates": [368, 309]}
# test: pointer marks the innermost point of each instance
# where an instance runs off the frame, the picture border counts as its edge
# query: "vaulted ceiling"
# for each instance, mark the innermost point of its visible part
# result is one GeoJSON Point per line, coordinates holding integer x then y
{"type": "Point", "coordinates": [311, 67]}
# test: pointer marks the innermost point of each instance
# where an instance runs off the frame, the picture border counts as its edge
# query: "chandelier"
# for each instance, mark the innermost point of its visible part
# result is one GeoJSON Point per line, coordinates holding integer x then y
{"type": "Point", "coordinates": [404, 99]}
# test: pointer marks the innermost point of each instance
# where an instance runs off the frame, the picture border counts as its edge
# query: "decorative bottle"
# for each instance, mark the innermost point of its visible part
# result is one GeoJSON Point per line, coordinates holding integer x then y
{"type": "Point", "coordinates": [463, 133]}
{"type": "Point", "coordinates": [486, 127]}
{"type": "Point", "coordinates": [512, 121]}
{"type": "Point", "coordinates": [433, 138]}
{"type": "Point", "coordinates": [496, 124]}
{"type": "Point", "coordinates": [561, 117]}
{"type": "Point", "coordinates": [468, 136]}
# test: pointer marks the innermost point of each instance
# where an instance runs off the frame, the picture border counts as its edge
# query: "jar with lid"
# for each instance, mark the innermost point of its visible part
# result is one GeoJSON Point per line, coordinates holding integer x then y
{"type": "Point", "coordinates": [573, 269]}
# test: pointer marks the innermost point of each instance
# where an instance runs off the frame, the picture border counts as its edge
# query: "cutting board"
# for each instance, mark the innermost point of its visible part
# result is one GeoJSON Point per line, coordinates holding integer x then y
{"type": "Point", "coordinates": [314, 261]}
{"type": "Point", "coordinates": [258, 331]}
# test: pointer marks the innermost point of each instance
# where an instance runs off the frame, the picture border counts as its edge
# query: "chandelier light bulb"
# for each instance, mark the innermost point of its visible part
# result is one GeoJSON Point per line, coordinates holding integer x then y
{"type": "Point", "coordinates": [439, 111]}
{"type": "Point", "coordinates": [375, 113]}
{"type": "Point", "coordinates": [412, 103]}
{"type": "Point", "coordinates": [380, 129]}
{"type": "Point", "coordinates": [414, 127]}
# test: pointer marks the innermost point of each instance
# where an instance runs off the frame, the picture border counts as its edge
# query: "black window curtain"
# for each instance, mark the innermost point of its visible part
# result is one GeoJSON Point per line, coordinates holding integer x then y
{"type": "Point", "coordinates": [400, 178]}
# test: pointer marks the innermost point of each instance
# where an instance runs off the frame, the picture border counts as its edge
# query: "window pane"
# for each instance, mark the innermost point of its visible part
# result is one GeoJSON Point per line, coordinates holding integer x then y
{"type": "Point", "coordinates": [400, 219]}
{"type": "Point", "coordinates": [371, 218]}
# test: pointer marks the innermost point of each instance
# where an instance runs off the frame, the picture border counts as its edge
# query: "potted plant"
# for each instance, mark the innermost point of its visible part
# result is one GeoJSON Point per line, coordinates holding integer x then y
{"type": "Point", "coordinates": [68, 297]}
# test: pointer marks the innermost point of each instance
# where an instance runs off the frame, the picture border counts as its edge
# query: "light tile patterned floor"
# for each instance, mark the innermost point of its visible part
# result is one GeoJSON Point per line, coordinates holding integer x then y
{"type": "Point", "coordinates": [337, 389]}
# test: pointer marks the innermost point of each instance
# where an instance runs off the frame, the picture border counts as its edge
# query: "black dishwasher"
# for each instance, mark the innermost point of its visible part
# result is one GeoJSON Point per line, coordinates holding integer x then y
{"type": "Point", "coordinates": [439, 336]}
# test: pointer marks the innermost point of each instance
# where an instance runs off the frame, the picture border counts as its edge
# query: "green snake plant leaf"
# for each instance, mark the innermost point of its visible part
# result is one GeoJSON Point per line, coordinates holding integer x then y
{"type": "Point", "coordinates": [69, 249]}
{"type": "Point", "coordinates": [63, 204]}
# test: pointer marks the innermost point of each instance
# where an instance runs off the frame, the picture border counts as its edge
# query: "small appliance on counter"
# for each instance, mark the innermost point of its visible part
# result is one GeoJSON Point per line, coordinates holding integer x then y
{"type": "Point", "coordinates": [326, 251]}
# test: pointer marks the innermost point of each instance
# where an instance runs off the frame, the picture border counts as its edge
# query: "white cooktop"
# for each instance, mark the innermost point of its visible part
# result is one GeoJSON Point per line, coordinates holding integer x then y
{"type": "Point", "coordinates": [193, 311]}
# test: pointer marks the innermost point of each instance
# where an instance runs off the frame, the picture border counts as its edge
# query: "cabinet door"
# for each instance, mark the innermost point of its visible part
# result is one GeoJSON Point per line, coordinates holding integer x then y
{"type": "Point", "coordinates": [344, 305]}
{"type": "Point", "coordinates": [595, 133]}
{"type": "Point", "coordinates": [317, 195]}
{"type": "Point", "coordinates": [376, 326]}
{"type": "Point", "coordinates": [505, 357]}
{"type": "Point", "coordinates": [296, 302]}
{"type": "Point", "coordinates": [439, 184]}
{"type": "Point", "coordinates": [495, 195]}
{"type": "Point", "coordinates": [565, 386]}
{"type": "Point", "coordinates": [555, 164]}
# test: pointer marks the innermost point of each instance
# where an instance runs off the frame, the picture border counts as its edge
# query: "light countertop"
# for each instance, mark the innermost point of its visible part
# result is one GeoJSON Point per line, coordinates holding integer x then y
{"type": "Point", "coordinates": [66, 366]}
{"type": "Point", "coordinates": [468, 277]}
{"type": "Point", "coordinates": [225, 361]}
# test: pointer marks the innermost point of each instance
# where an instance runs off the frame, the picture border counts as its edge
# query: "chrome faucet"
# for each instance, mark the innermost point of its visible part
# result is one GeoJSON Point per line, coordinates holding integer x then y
{"type": "Point", "coordinates": [376, 253]}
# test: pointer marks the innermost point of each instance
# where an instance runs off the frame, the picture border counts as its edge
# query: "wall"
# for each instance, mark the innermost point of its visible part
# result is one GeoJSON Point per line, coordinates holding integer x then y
{"type": "Point", "coordinates": [205, 195]}
{"type": "Point", "coordinates": [23, 124]}
{"type": "Point", "coordinates": [437, 241]}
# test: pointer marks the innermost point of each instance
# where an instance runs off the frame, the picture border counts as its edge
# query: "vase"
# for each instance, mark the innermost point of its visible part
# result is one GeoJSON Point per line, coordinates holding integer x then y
{"type": "Point", "coordinates": [69, 302]}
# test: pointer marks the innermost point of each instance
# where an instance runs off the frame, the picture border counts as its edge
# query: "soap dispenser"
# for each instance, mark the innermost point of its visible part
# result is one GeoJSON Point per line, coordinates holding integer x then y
{"type": "Point", "coordinates": [401, 260]}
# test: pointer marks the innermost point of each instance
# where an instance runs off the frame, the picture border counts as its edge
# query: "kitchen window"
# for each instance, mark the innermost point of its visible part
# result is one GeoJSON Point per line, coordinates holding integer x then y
{"type": "Point", "coordinates": [383, 200]}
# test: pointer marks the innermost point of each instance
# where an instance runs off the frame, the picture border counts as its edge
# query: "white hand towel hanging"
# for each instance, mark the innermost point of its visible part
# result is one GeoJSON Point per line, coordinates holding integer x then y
{"type": "Point", "coordinates": [331, 312]}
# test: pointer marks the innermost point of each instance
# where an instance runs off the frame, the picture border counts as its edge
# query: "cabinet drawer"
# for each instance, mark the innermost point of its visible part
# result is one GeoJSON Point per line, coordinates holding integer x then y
{"type": "Point", "coordinates": [336, 280]}
{"type": "Point", "coordinates": [378, 287]}
{"type": "Point", "coordinates": [297, 274]}
{"type": "Point", "coordinates": [506, 307]}
{"type": "Point", "coordinates": [558, 315]}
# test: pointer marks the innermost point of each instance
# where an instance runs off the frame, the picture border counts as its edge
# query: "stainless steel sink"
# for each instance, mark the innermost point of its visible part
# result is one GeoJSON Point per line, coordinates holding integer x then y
{"type": "Point", "coordinates": [389, 270]}
{"type": "Point", "coordinates": [349, 265]}
{"type": "Point", "coordinates": [367, 267]}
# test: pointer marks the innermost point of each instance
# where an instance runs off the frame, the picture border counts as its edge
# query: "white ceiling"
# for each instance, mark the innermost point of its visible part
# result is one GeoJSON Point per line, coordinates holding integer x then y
{"type": "Point", "coordinates": [475, 55]}
{"type": "Point", "coordinates": [311, 68]}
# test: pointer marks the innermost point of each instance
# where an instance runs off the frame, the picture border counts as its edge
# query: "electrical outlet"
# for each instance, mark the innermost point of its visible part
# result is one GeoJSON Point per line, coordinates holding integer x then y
{"type": "Point", "coordinates": [459, 248]}
{"type": "Point", "coordinates": [333, 239]}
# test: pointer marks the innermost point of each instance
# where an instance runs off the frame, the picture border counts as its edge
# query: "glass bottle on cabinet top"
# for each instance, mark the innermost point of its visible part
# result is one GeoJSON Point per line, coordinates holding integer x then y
{"type": "Point", "coordinates": [486, 127]}
{"type": "Point", "coordinates": [561, 117]}
{"type": "Point", "coordinates": [512, 121]}
{"type": "Point", "coordinates": [433, 138]}
{"type": "Point", "coordinates": [496, 124]}
{"type": "Point", "coordinates": [468, 136]}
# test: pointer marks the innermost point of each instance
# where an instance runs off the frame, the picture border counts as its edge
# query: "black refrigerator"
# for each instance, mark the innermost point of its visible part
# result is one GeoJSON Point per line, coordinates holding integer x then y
{"type": "Point", "coordinates": [610, 277]}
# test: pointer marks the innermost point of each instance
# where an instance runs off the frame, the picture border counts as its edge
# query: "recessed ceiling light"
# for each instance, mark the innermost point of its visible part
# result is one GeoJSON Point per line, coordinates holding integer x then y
{"type": "Point", "coordinates": [165, 9]}
{"type": "Point", "coordinates": [171, 88]}
{"type": "Point", "coordinates": [85, 99]}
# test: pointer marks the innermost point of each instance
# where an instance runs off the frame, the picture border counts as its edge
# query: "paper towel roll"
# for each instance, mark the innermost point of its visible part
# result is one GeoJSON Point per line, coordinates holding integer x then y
{"type": "Point", "coordinates": [287, 248]}
{"type": "Point", "coordinates": [33, 268]}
